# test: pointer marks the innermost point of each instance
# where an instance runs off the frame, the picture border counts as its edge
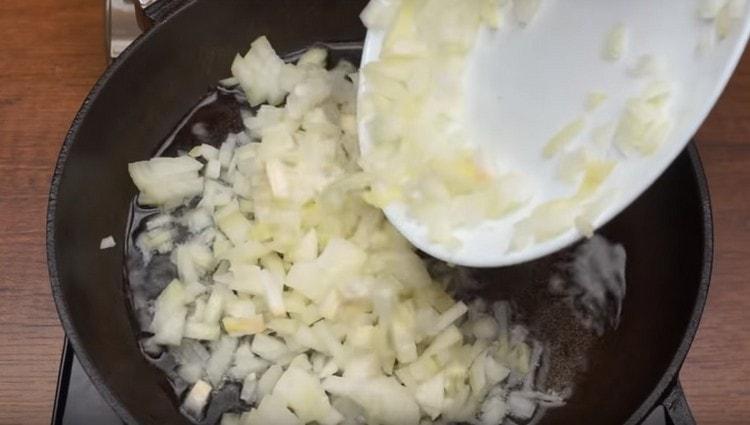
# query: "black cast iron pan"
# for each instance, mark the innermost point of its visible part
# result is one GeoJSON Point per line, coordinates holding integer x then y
{"type": "Point", "coordinates": [618, 378]}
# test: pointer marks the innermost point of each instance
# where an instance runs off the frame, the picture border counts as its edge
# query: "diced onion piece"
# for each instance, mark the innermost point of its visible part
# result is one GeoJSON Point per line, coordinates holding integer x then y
{"type": "Point", "coordinates": [206, 151]}
{"type": "Point", "coordinates": [616, 43]}
{"type": "Point", "coordinates": [485, 328]}
{"type": "Point", "coordinates": [249, 391]}
{"type": "Point", "coordinates": [572, 165]}
{"type": "Point", "coordinates": [520, 407]}
{"type": "Point", "coordinates": [306, 249]}
{"type": "Point", "coordinates": [546, 221]}
{"type": "Point", "coordinates": [304, 394]}
{"type": "Point", "coordinates": [646, 66]}
{"type": "Point", "coordinates": [276, 174]}
{"type": "Point", "coordinates": [595, 172]}
{"type": "Point", "coordinates": [315, 56]}
{"type": "Point", "coordinates": [384, 399]}
{"type": "Point", "coordinates": [169, 316]}
{"type": "Point", "coordinates": [493, 411]}
{"type": "Point", "coordinates": [233, 223]}
{"type": "Point", "coordinates": [444, 340]}
{"type": "Point", "coordinates": [724, 22]}
{"type": "Point", "coordinates": [164, 180]}
{"type": "Point", "coordinates": [268, 381]}
{"type": "Point", "coordinates": [709, 9]}
{"type": "Point", "coordinates": [584, 226]}
{"type": "Point", "coordinates": [525, 10]}
{"type": "Point", "coordinates": [645, 123]}
{"type": "Point", "coordinates": [378, 14]}
{"type": "Point", "coordinates": [229, 82]}
{"type": "Point", "coordinates": [339, 260]}
{"type": "Point", "coordinates": [594, 100]}
{"type": "Point", "coordinates": [202, 331]}
{"type": "Point", "coordinates": [366, 366]}
{"type": "Point", "coordinates": [221, 359]}
{"type": "Point", "coordinates": [478, 376]}
{"type": "Point", "coordinates": [448, 317]}
{"type": "Point", "coordinates": [236, 326]}
{"type": "Point", "coordinates": [106, 243]}
{"type": "Point", "coordinates": [563, 137]}
{"type": "Point", "coordinates": [431, 394]}
{"type": "Point", "coordinates": [258, 73]}
{"type": "Point", "coordinates": [240, 308]}
{"type": "Point", "coordinates": [271, 410]}
{"type": "Point", "coordinates": [284, 327]}
{"type": "Point", "coordinates": [300, 362]}
{"type": "Point", "coordinates": [273, 293]}
{"type": "Point", "coordinates": [331, 344]}
{"type": "Point", "coordinates": [213, 169]}
{"type": "Point", "coordinates": [245, 362]}
{"type": "Point", "coordinates": [494, 370]}
{"type": "Point", "coordinates": [706, 40]}
{"type": "Point", "coordinates": [329, 307]}
{"type": "Point", "coordinates": [269, 347]}
{"type": "Point", "coordinates": [197, 399]}
{"type": "Point", "coordinates": [493, 12]}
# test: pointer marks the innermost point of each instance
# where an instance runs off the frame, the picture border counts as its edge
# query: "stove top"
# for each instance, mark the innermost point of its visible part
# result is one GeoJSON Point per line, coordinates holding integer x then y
{"type": "Point", "coordinates": [77, 401]}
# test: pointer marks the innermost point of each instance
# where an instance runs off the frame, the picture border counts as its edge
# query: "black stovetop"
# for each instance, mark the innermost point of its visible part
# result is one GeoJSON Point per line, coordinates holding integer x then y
{"type": "Point", "coordinates": [77, 401]}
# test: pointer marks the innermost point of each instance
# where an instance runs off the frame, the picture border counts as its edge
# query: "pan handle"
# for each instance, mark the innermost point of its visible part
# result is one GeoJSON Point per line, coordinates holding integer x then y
{"type": "Point", "coordinates": [676, 406]}
{"type": "Point", "coordinates": [151, 12]}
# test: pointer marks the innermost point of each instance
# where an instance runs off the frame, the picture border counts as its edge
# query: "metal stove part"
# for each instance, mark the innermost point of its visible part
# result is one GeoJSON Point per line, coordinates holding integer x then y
{"type": "Point", "coordinates": [121, 26]}
{"type": "Point", "coordinates": [78, 402]}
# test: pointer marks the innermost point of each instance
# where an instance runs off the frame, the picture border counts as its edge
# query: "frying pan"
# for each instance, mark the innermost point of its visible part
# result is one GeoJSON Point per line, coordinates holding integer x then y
{"type": "Point", "coordinates": [617, 378]}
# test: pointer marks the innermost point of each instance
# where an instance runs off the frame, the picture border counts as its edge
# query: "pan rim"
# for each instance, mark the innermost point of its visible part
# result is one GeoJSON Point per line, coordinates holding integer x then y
{"type": "Point", "coordinates": [670, 376]}
{"type": "Point", "coordinates": [63, 309]}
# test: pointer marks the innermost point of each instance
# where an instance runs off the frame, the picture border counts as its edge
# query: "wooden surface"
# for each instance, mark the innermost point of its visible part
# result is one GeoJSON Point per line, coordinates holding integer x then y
{"type": "Point", "coordinates": [51, 52]}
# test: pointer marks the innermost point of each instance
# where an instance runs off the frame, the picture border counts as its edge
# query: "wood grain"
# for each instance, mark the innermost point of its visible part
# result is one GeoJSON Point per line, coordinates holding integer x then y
{"type": "Point", "coordinates": [51, 52]}
{"type": "Point", "coordinates": [716, 375]}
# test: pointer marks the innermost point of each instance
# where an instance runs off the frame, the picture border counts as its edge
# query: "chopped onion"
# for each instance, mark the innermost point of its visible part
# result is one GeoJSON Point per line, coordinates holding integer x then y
{"type": "Point", "coordinates": [167, 180]}
{"type": "Point", "coordinates": [221, 359]}
{"type": "Point", "coordinates": [304, 394]}
{"type": "Point", "coordinates": [106, 243]}
{"type": "Point", "coordinates": [563, 137]}
{"type": "Point", "coordinates": [520, 407]}
{"type": "Point", "coordinates": [525, 10]}
{"type": "Point", "coordinates": [235, 326]}
{"type": "Point", "coordinates": [295, 288]}
{"type": "Point", "coordinates": [616, 43]}
{"type": "Point", "coordinates": [647, 66]}
{"type": "Point", "coordinates": [709, 9]}
{"type": "Point", "coordinates": [378, 14]}
{"type": "Point", "coordinates": [644, 125]}
{"type": "Point", "coordinates": [271, 410]}
{"type": "Point", "coordinates": [197, 399]}
{"type": "Point", "coordinates": [268, 381]}
{"type": "Point", "coordinates": [412, 107]}
{"type": "Point", "coordinates": [594, 100]}
{"type": "Point", "coordinates": [169, 316]}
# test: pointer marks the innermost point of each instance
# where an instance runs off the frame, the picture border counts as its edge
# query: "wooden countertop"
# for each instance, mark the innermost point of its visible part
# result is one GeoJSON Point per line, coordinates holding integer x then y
{"type": "Point", "coordinates": [51, 52]}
